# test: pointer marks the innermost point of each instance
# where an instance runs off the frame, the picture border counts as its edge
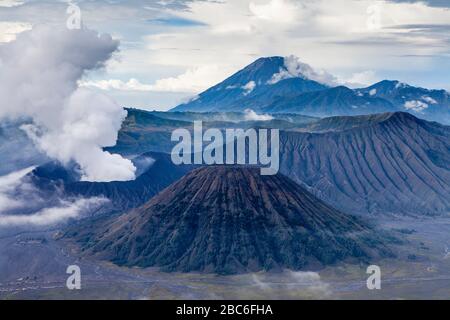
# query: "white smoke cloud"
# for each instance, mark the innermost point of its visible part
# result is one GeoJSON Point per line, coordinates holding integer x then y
{"type": "Point", "coordinates": [38, 80]}
{"type": "Point", "coordinates": [251, 115]}
{"type": "Point", "coordinates": [360, 79]}
{"type": "Point", "coordinates": [294, 68]}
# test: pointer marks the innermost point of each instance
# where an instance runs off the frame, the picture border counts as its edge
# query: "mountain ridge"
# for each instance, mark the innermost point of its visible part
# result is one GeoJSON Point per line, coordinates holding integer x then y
{"type": "Point", "coordinates": [398, 164]}
{"type": "Point", "coordinates": [252, 88]}
{"type": "Point", "coordinates": [232, 93]}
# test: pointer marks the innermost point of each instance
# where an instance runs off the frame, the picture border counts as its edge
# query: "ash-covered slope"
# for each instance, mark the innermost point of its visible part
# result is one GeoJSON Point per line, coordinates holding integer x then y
{"type": "Point", "coordinates": [390, 163]}
{"type": "Point", "coordinates": [230, 220]}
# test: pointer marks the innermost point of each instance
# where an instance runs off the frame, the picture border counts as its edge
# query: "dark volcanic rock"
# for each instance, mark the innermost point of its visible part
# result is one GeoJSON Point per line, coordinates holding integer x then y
{"type": "Point", "coordinates": [231, 220]}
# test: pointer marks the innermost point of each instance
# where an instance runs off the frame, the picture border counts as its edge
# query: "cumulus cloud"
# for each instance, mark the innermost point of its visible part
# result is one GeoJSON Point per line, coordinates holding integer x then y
{"type": "Point", "coordinates": [278, 11]}
{"type": "Point", "coordinates": [194, 80]}
{"type": "Point", "coordinates": [429, 100]}
{"type": "Point", "coordinates": [39, 80]}
{"type": "Point", "coordinates": [415, 105]}
{"type": "Point", "coordinates": [249, 87]}
{"type": "Point", "coordinates": [294, 68]}
{"type": "Point", "coordinates": [251, 115]}
{"type": "Point", "coordinates": [360, 79]}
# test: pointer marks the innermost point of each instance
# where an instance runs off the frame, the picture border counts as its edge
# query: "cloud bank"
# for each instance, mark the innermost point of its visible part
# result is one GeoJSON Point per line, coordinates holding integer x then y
{"type": "Point", "coordinates": [40, 72]}
{"type": "Point", "coordinates": [194, 80]}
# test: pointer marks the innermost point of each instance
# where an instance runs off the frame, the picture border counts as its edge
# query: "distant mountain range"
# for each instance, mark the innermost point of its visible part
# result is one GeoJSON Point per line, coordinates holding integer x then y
{"type": "Point", "coordinates": [389, 163]}
{"type": "Point", "coordinates": [392, 163]}
{"type": "Point", "coordinates": [267, 86]}
{"type": "Point", "coordinates": [227, 220]}
{"type": "Point", "coordinates": [230, 219]}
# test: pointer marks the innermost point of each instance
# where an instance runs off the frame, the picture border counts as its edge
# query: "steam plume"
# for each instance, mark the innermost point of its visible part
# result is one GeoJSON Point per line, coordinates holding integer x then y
{"type": "Point", "coordinates": [39, 78]}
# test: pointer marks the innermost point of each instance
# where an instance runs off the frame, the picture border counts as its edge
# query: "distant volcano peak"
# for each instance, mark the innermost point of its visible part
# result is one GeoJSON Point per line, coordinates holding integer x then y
{"type": "Point", "coordinates": [288, 85]}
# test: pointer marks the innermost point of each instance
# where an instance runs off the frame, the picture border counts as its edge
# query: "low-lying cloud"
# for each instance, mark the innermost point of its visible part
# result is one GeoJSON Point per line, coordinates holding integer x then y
{"type": "Point", "coordinates": [415, 105]}
{"type": "Point", "coordinates": [251, 115]}
{"type": "Point", "coordinates": [53, 215]}
{"type": "Point", "coordinates": [39, 79]}
{"type": "Point", "coordinates": [194, 80]}
{"type": "Point", "coordinates": [290, 285]}
{"type": "Point", "coordinates": [22, 205]}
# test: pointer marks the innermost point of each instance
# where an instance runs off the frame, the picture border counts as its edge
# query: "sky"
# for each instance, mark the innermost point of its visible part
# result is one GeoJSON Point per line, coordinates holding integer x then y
{"type": "Point", "coordinates": [171, 50]}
